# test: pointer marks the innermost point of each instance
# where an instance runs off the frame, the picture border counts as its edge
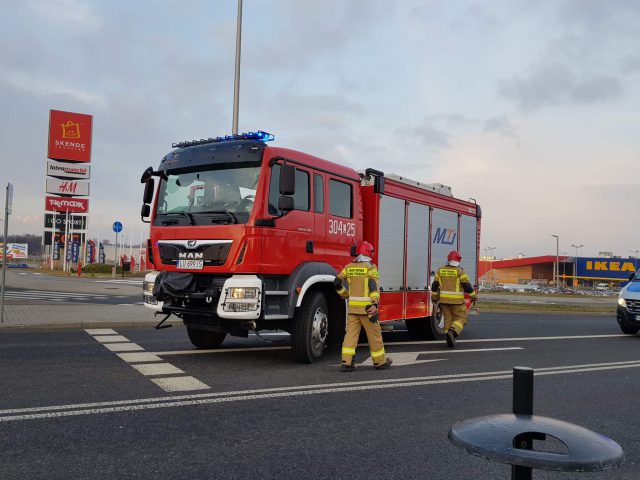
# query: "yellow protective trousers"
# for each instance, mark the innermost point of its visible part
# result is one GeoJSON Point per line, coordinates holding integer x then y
{"type": "Point", "coordinates": [374, 337]}
{"type": "Point", "coordinates": [455, 317]}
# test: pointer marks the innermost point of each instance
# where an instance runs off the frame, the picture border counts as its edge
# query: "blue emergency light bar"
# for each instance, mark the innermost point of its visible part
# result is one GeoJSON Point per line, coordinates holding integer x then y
{"type": "Point", "coordinates": [259, 135]}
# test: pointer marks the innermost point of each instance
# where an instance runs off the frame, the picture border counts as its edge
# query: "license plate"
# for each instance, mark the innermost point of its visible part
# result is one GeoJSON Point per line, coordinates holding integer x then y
{"type": "Point", "coordinates": [191, 264]}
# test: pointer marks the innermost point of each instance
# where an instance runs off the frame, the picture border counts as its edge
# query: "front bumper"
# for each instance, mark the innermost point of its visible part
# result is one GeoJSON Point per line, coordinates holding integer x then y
{"type": "Point", "coordinates": [238, 297]}
{"type": "Point", "coordinates": [625, 317]}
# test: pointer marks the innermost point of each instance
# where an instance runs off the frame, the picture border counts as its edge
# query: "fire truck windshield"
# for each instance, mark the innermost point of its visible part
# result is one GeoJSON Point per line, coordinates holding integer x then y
{"type": "Point", "coordinates": [198, 197]}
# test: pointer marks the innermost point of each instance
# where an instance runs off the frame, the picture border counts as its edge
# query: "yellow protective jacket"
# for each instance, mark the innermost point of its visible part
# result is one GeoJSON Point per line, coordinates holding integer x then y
{"type": "Point", "coordinates": [358, 281]}
{"type": "Point", "coordinates": [450, 285]}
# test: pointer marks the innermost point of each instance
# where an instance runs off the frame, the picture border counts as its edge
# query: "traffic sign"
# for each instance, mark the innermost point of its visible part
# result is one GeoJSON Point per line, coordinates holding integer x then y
{"type": "Point", "coordinates": [117, 227]}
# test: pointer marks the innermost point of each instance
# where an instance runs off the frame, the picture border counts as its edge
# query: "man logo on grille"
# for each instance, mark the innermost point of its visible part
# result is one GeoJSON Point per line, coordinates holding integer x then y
{"type": "Point", "coordinates": [192, 243]}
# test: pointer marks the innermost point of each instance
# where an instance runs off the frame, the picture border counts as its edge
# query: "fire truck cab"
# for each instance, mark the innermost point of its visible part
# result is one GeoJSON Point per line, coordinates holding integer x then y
{"type": "Point", "coordinates": [246, 236]}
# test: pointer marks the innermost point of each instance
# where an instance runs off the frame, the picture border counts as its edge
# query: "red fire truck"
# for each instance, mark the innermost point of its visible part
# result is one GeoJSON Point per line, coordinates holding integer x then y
{"type": "Point", "coordinates": [246, 236]}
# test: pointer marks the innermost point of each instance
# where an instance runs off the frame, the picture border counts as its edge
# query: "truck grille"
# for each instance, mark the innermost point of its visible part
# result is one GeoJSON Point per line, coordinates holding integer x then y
{"type": "Point", "coordinates": [633, 306]}
{"type": "Point", "coordinates": [213, 255]}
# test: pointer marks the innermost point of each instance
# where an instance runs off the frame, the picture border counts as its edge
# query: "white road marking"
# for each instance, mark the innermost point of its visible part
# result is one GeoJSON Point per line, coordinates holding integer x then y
{"type": "Point", "coordinates": [123, 347]}
{"type": "Point", "coordinates": [411, 358]}
{"type": "Point", "coordinates": [139, 357]}
{"type": "Point", "coordinates": [119, 343]}
{"type": "Point", "coordinates": [57, 411]}
{"type": "Point", "coordinates": [179, 384]}
{"type": "Point", "coordinates": [151, 369]}
{"type": "Point", "coordinates": [126, 281]}
{"type": "Point", "coordinates": [37, 293]}
{"type": "Point", "coordinates": [100, 331]}
{"type": "Point", "coordinates": [513, 339]}
{"type": "Point", "coordinates": [402, 359]}
{"type": "Point", "coordinates": [220, 350]}
{"type": "Point", "coordinates": [111, 339]}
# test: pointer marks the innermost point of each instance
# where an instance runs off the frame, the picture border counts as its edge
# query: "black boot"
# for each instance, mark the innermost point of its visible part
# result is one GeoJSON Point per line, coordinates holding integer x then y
{"type": "Point", "coordinates": [348, 368]}
{"type": "Point", "coordinates": [451, 338]}
{"type": "Point", "coordinates": [383, 366]}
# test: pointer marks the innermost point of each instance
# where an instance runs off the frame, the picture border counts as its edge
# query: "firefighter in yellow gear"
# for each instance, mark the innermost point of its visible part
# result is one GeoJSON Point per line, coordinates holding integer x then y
{"type": "Point", "coordinates": [358, 281]}
{"type": "Point", "coordinates": [448, 289]}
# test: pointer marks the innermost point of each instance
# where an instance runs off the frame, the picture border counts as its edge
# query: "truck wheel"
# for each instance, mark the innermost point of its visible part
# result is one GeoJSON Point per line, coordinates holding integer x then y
{"type": "Point", "coordinates": [205, 339]}
{"type": "Point", "coordinates": [427, 328]}
{"type": "Point", "coordinates": [629, 330]}
{"type": "Point", "coordinates": [310, 328]}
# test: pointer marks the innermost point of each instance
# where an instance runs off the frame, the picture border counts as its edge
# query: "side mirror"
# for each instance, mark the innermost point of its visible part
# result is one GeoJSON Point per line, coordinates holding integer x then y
{"type": "Point", "coordinates": [148, 191]}
{"type": "Point", "coordinates": [285, 203]}
{"type": "Point", "coordinates": [146, 210]}
{"type": "Point", "coordinates": [287, 180]}
{"type": "Point", "coordinates": [146, 175]}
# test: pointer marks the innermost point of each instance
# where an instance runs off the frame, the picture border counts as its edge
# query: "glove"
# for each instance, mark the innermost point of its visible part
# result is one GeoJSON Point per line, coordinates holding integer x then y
{"type": "Point", "coordinates": [372, 313]}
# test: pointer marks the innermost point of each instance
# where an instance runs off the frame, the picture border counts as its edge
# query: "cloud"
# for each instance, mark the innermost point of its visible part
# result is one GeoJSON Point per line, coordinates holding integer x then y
{"type": "Point", "coordinates": [67, 13]}
{"type": "Point", "coordinates": [555, 84]}
{"type": "Point", "coordinates": [500, 125]}
{"type": "Point", "coordinates": [47, 87]}
{"type": "Point", "coordinates": [430, 136]}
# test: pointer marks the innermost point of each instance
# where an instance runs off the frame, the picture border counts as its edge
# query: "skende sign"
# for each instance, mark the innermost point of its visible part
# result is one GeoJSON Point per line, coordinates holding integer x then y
{"type": "Point", "coordinates": [70, 136]}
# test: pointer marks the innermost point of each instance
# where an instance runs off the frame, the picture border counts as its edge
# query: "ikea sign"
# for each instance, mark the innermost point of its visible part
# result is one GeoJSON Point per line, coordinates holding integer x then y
{"type": "Point", "coordinates": [614, 268]}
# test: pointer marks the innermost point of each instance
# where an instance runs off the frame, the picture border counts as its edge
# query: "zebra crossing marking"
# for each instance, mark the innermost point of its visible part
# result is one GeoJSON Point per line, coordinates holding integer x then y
{"type": "Point", "coordinates": [134, 355]}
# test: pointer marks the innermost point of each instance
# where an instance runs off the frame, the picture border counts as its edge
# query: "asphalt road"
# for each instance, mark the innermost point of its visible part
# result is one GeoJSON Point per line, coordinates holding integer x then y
{"type": "Point", "coordinates": [29, 288]}
{"type": "Point", "coordinates": [70, 407]}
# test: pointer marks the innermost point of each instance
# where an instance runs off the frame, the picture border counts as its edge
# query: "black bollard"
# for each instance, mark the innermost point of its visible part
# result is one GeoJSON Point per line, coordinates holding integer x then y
{"type": "Point", "coordinates": [522, 405]}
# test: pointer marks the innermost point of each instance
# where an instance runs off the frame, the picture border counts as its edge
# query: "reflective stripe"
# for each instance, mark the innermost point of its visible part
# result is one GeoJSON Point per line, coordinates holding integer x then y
{"type": "Point", "coordinates": [360, 299]}
{"type": "Point", "coordinates": [455, 295]}
{"type": "Point", "coordinates": [358, 303]}
{"type": "Point", "coordinates": [449, 292]}
{"type": "Point", "coordinates": [378, 353]}
{"type": "Point", "coordinates": [348, 351]}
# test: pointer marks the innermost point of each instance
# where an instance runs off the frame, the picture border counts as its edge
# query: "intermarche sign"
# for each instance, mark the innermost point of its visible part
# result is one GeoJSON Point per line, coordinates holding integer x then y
{"type": "Point", "coordinates": [68, 170]}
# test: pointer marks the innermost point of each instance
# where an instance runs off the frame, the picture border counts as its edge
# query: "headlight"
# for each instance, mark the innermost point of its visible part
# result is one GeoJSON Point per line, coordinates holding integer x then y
{"type": "Point", "coordinates": [240, 293]}
{"type": "Point", "coordinates": [147, 287]}
{"type": "Point", "coordinates": [622, 302]}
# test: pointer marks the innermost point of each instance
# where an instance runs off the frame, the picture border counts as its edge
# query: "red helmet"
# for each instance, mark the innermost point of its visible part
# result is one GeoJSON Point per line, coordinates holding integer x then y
{"type": "Point", "coordinates": [454, 255]}
{"type": "Point", "coordinates": [364, 248]}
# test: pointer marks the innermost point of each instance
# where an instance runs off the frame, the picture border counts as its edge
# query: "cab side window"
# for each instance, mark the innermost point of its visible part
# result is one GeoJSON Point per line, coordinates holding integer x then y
{"type": "Point", "coordinates": [340, 199]}
{"type": "Point", "coordinates": [300, 198]}
{"type": "Point", "coordinates": [318, 193]}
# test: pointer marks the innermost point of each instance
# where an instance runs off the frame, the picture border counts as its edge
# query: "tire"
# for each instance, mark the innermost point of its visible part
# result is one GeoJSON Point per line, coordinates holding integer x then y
{"type": "Point", "coordinates": [205, 339]}
{"type": "Point", "coordinates": [629, 330]}
{"type": "Point", "coordinates": [427, 328]}
{"type": "Point", "coordinates": [310, 328]}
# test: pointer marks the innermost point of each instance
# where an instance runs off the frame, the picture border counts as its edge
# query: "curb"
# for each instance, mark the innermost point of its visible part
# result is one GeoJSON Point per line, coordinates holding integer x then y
{"type": "Point", "coordinates": [78, 325]}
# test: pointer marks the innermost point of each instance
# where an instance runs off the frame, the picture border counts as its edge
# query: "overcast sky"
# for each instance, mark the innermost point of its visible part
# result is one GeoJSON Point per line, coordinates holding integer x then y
{"type": "Point", "coordinates": [531, 108]}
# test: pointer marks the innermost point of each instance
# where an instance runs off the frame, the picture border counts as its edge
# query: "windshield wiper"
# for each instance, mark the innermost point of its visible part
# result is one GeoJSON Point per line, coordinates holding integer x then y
{"type": "Point", "coordinates": [187, 214]}
{"type": "Point", "coordinates": [233, 218]}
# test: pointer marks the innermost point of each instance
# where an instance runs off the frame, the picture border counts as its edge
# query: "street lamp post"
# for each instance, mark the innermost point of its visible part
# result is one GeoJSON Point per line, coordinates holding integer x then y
{"type": "Point", "coordinates": [557, 265]}
{"type": "Point", "coordinates": [236, 80]}
{"type": "Point", "coordinates": [577, 247]}
{"type": "Point", "coordinates": [490, 249]}
{"type": "Point", "coordinates": [575, 265]}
